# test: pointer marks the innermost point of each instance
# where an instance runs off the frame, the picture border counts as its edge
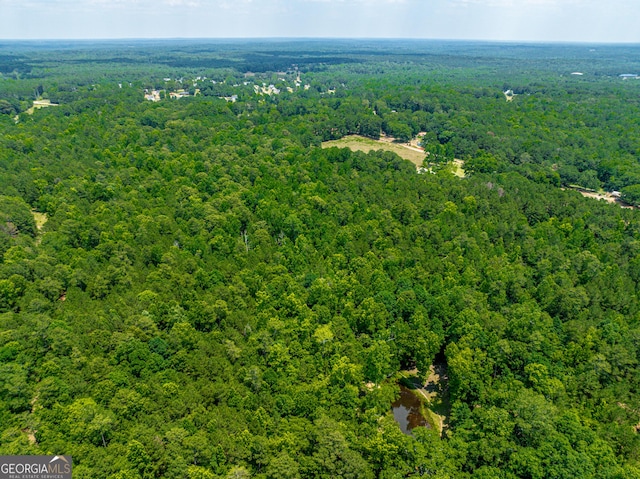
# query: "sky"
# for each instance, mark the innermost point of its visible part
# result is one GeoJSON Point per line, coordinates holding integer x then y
{"type": "Point", "coordinates": [591, 21]}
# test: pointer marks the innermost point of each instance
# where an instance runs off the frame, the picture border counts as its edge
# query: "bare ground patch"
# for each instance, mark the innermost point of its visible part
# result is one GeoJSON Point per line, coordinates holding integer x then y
{"type": "Point", "coordinates": [601, 195]}
{"type": "Point", "coordinates": [37, 104]}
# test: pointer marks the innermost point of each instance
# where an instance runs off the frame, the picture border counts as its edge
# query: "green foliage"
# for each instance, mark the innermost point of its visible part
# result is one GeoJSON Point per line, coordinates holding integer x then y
{"type": "Point", "coordinates": [7, 108]}
{"type": "Point", "coordinates": [631, 194]}
{"type": "Point", "coordinates": [214, 295]}
{"type": "Point", "coordinates": [482, 162]}
{"type": "Point", "coordinates": [16, 217]}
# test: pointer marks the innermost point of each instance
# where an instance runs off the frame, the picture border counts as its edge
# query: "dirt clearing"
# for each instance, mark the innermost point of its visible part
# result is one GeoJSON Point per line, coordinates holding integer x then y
{"type": "Point", "coordinates": [601, 195]}
{"type": "Point", "coordinates": [37, 104]}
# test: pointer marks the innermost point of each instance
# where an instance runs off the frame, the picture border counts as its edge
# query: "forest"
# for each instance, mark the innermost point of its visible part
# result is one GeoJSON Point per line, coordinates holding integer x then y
{"type": "Point", "coordinates": [192, 287]}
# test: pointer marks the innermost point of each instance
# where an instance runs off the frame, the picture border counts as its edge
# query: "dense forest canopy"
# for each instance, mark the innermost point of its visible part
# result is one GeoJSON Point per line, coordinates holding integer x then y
{"type": "Point", "coordinates": [190, 286]}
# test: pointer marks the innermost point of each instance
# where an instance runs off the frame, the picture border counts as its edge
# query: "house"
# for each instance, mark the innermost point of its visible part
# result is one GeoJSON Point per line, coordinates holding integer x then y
{"type": "Point", "coordinates": [179, 94]}
{"type": "Point", "coordinates": [152, 96]}
{"type": "Point", "coordinates": [266, 90]}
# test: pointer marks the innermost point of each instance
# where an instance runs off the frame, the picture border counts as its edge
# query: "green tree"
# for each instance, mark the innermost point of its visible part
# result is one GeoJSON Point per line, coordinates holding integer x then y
{"type": "Point", "coordinates": [333, 458]}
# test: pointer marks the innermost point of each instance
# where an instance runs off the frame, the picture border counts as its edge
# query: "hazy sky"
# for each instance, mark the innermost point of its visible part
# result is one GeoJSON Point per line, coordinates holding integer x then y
{"type": "Point", "coordinates": [511, 20]}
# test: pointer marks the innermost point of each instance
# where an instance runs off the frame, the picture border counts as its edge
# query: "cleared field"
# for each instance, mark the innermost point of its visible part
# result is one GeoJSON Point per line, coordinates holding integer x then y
{"type": "Point", "coordinates": [360, 143]}
{"type": "Point", "coordinates": [37, 104]}
{"type": "Point", "coordinates": [409, 152]}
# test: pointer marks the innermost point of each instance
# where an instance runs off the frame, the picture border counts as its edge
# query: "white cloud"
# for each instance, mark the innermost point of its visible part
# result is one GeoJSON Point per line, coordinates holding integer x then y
{"type": "Point", "coordinates": [521, 3]}
{"type": "Point", "coordinates": [182, 3]}
{"type": "Point", "coordinates": [372, 3]}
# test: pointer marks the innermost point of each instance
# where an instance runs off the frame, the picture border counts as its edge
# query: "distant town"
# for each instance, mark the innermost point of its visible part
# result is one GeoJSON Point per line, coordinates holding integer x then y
{"type": "Point", "coordinates": [197, 84]}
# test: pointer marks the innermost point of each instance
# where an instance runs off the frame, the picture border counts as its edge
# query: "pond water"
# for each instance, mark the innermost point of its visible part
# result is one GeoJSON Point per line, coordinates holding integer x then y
{"type": "Point", "coordinates": [406, 411]}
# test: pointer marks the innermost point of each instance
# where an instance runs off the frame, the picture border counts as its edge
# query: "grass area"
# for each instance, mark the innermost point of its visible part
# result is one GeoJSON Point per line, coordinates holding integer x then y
{"type": "Point", "coordinates": [360, 143]}
{"type": "Point", "coordinates": [458, 168]}
{"type": "Point", "coordinates": [40, 219]}
{"type": "Point", "coordinates": [411, 153]}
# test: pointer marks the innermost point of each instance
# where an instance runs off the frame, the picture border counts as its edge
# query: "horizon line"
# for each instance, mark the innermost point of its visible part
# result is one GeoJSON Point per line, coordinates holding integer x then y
{"type": "Point", "coordinates": [320, 38]}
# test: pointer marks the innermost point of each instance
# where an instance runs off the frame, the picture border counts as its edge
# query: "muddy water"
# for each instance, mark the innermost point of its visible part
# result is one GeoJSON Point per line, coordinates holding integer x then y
{"type": "Point", "coordinates": [406, 411]}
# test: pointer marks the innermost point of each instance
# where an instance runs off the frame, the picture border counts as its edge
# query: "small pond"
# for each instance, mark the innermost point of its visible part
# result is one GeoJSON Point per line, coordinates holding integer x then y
{"type": "Point", "coordinates": [406, 411]}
